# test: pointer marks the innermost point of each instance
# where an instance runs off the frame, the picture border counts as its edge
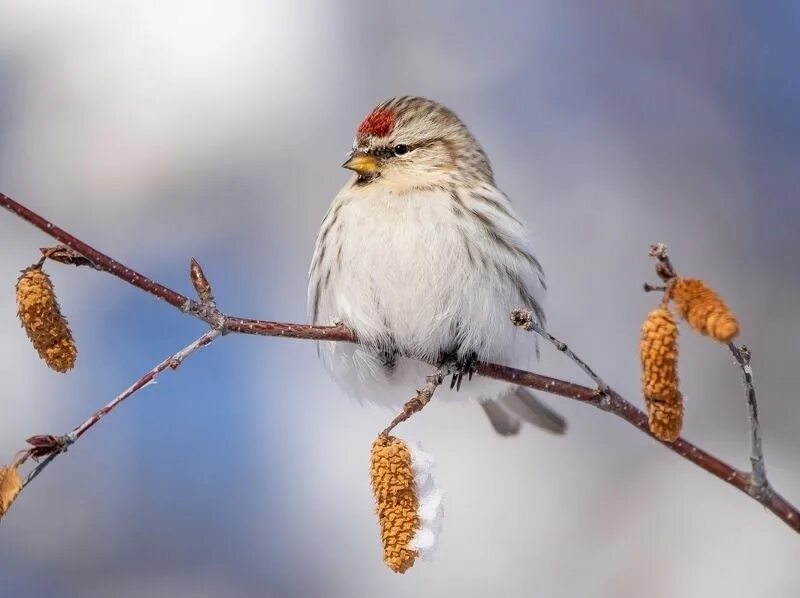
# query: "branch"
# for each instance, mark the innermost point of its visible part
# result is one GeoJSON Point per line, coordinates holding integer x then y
{"type": "Point", "coordinates": [611, 401]}
{"type": "Point", "coordinates": [525, 319]}
{"type": "Point", "coordinates": [758, 478]}
{"type": "Point", "coordinates": [51, 447]}
{"type": "Point", "coordinates": [101, 261]}
{"type": "Point", "coordinates": [422, 398]}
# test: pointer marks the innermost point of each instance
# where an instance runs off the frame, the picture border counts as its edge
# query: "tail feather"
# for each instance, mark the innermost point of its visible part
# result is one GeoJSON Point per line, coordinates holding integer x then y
{"type": "Point", "coordinates": [521, 404]}
{"type": "Point", "coordinates": [502, 421]}
{"type": "Point", "coordinates": [533, 410]}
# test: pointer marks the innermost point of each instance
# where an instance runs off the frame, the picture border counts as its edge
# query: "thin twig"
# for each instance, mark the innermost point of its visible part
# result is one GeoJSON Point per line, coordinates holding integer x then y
{"type": "Point", "coordinates": [422, 397]}
{"type": "Point", "coordinates": [171, 362]}
{"type": "Point", "coordinates": [621, 408]}
{"type": "Point", "coordinates": [758, 482]}
{"type": "Point", "coordinates": [650, 288]}
{"type": "Point", "coordinates": [525, 319]}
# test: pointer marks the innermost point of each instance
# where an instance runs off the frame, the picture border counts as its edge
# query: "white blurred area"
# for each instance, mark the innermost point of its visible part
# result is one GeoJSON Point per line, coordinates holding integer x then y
{"type": "Point", "coordinates": [162, 130]}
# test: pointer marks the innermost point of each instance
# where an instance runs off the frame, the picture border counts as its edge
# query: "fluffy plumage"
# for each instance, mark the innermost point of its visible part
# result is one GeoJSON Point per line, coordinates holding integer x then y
{"type": "Point", "coordinates": [423, 256]}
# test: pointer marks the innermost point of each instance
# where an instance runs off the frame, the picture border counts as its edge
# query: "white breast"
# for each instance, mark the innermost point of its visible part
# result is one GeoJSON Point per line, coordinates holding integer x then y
{"type": "Point", "coordinates": [420, 273]}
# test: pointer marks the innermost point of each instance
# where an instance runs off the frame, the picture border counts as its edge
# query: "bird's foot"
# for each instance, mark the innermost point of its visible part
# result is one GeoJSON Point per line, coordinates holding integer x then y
{"type": "Point", "coordinates": [461, 367]}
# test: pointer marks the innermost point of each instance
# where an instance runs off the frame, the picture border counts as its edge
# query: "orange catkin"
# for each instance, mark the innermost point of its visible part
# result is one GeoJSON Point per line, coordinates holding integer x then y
{"type": "Point", "coordinates": [10, 486]}
{"type": "Point", "coordinates": [704, 310]}
{"type": "Point", "coordinates": [41, 317]}
{"type": "Point", "coordinates": [396, 501]}
{"type": "Point", "coordinates": [658, 351]}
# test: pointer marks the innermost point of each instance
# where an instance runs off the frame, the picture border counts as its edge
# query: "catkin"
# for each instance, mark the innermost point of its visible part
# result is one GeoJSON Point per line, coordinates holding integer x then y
{"type": "Point", "coordinates": [658, 351]}
{"type": "Point", "coordinates": [10, 486]}
{"type": "Point", "coordinates": [396, 500]}
{"type": "Point", "coordinates": [704, 310]}
{"type": "Point", "coordinates": [41, 317]}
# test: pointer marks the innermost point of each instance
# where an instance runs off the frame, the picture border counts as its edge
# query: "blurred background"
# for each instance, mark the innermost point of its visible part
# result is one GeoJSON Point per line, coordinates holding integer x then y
{"type": "Point", "coordinates": [162, 130]}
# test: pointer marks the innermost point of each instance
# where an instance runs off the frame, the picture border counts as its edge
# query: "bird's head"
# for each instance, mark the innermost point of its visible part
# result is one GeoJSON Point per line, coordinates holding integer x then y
{"type": "Point", "coordinates": [412, 143]}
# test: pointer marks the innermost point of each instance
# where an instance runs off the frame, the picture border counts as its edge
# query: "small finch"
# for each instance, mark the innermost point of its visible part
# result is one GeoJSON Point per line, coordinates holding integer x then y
{"type": "Point", "coordinates": [424, 258]}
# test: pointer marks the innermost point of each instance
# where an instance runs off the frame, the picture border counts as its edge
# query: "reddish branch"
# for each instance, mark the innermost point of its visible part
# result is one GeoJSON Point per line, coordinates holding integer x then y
{"type": "Point", "coordinates": [605, 398]}
{"type": "Point", "coordinates": [101, 261]}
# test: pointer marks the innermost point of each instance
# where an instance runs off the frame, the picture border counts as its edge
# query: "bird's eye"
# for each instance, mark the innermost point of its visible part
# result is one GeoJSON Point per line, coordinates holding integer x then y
{"type": "Point", "coordinates": [400, 149]}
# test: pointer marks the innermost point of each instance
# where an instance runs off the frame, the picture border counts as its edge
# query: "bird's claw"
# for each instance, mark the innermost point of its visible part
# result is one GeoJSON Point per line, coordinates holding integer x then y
{"type": "Point", "coordinates": [461, 367]}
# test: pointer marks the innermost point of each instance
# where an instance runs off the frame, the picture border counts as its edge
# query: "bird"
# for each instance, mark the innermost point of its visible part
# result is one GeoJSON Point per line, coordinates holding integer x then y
{"type": "Point", "coordinates": [424, 258]}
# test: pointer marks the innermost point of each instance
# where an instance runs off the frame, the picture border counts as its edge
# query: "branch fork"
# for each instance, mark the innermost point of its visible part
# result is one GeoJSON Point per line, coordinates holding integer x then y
{"type": "Point", "coordinates": [525, 319]}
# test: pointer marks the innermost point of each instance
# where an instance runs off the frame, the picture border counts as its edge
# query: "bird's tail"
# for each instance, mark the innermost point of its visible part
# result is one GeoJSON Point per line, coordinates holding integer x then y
{"type": "Point", "coordinates": [507, 413]}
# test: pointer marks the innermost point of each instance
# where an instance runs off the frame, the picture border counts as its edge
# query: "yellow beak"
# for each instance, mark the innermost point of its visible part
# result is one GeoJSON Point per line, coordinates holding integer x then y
{"type": "Point", "coordinates": [363, 164]}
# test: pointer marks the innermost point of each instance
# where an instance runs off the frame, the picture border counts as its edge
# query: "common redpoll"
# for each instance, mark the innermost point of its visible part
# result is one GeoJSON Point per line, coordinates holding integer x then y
{"type": "Point", "coordinates": [425, 258]}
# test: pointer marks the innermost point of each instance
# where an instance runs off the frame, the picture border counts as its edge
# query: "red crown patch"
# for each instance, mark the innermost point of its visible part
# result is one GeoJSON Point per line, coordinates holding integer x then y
{"type": "Point", "coordinates": [379, 123]}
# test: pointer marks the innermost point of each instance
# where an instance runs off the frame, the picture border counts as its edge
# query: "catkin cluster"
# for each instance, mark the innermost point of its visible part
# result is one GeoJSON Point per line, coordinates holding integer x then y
{"type": "Point", "coordinates": [10, 486]}
{"type": "Point", "coordinates": [704, 310]}
{"type": "Point", "coordinates": [41, 317]}
{"type": "Point", "coordinates": [658, 351]}
{"type": "Point", "coordinates": [396, 501]}
{"type": "Point", "coordinates": [706, 313]}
